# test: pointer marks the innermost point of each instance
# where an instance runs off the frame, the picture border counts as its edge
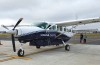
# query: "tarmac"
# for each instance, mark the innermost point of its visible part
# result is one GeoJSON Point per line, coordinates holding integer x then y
{"type": "Point", "coordinates": [79, 54]}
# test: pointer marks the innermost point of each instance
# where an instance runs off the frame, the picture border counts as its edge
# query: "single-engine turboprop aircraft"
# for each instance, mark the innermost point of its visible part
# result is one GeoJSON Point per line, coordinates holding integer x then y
{"type": "Point", "coordinates": [45, 34]}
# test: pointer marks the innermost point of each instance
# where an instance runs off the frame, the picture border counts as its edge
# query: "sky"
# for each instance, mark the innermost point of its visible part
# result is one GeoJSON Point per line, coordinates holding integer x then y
{"type": "Point", "coordinates": [47, 10]}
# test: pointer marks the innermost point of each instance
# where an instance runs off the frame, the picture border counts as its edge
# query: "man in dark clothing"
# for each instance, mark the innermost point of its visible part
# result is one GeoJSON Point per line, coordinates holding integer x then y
{"type": "Point", "coordinates": [81, 38]}
{"type": "Point", "coordinates": [84, 37]}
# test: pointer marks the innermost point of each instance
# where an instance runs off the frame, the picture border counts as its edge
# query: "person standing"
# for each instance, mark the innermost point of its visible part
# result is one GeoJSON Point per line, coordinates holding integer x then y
{"type": "Point", "coordinates": [84, 38]}
{"type": "Point", "coordinates": [81, 38]}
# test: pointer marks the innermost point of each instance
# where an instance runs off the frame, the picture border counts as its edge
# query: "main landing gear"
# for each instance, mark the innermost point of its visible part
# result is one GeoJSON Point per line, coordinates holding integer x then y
{"type": "Point", "coordinates": [38, 47]}
{"type": "Point", "coordinates": [67, 47]}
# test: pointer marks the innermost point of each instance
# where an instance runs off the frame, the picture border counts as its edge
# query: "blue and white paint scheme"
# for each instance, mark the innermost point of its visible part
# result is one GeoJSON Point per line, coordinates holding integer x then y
{"type": "Point", "coordinates": [45, 34]}
{"type": "Point", "coordinates": [41, 36]}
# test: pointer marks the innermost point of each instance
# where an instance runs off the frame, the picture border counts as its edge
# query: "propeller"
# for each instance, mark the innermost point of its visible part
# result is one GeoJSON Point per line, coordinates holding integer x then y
{"type": "Point", "coordinates": [13, 42]}
{"type": "Point", "coordinates": [12, 35]}
{"type": "Point", "coordinates": [17, 23]}
{"type": "Point", "coordinates": [5, 27]}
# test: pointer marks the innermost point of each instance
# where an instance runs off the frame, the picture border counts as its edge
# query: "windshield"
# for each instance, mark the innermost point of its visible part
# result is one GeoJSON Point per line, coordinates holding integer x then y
{"type": "Point", "coordinates": [42, 25]}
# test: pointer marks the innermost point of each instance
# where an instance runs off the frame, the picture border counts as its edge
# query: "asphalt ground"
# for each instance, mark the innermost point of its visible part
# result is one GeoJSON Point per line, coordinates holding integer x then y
{"type": "Point", "coordinates": [79, 54]}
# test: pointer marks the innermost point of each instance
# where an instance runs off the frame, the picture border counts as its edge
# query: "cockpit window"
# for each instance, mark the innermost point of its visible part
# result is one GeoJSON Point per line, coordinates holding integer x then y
{"type": "Point", "coordinates": [43, 25]}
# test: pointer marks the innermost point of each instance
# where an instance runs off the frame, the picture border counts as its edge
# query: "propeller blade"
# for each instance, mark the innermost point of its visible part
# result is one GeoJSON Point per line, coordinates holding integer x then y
{"type": "Point", "coordinates": [17, 23]}
{"type": "Point", "coordinates": [5, 27]}
{"type": "Point", "coordinates": [13, 42]}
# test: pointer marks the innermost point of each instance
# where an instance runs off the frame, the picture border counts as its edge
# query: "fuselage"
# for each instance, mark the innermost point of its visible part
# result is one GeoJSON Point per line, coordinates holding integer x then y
{"type": "Point", "coordinates": [42, 34]}
{"type": "Point", "coordinates": [42, 37]}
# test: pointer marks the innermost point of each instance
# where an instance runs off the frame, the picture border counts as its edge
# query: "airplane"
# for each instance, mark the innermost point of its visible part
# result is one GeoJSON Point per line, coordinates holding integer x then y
{"type": "Point", "coordinates": [44, 33]}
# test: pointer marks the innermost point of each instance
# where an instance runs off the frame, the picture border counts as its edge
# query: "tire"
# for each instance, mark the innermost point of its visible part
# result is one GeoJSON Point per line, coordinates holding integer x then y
{"type": "Point", "coordinates": [67, 48]}
{"type": "Point", "coordinates": [20, 53]}
{"type": "Point", "coordinates": [38, 47]}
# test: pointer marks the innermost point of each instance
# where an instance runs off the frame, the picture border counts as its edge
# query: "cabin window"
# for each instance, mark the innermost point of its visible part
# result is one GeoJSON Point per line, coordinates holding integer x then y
{"type": "Point", "coordinates": [60, 28]}
{"type": "Point", "coordinates": [53, 28]}
{"type": "Point", "coordinates": [57, 28]}
{"type": "Point", "coordinates": [64, 29]}
{"type": "Point", "coordinates": [69, 30]}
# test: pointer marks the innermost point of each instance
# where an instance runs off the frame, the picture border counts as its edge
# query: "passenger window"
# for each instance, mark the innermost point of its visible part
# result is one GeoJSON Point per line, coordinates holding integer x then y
{"type": "Point", "coordinates": [64, 29]}
{"type": "Point", "coordinates": [53, 28]}
{"type": "Point", "coordinates": [60, 28]}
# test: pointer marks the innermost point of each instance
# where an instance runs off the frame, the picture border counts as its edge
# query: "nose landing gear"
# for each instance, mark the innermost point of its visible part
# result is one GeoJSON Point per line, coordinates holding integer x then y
{"type": "Point", "coordinates": [20, 53]}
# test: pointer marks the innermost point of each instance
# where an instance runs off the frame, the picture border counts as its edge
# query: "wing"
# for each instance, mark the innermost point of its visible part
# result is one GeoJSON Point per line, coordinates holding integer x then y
{"type": "Point", "coordinates": [78, 22]}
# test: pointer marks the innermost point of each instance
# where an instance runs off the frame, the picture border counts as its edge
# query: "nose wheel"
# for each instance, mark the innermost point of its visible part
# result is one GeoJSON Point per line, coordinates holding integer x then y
{"type": "Point", "coordinates": [20, 53]}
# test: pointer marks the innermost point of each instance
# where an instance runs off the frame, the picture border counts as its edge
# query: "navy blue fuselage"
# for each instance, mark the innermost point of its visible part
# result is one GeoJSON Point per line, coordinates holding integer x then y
{"type": "Point", "coordinates": [44, 38]}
